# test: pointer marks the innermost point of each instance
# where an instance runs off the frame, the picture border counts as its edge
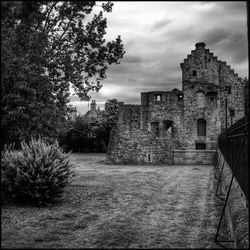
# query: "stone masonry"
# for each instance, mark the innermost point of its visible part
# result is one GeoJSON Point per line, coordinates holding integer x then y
{"type": "Point", "coordinates": [191, 118]}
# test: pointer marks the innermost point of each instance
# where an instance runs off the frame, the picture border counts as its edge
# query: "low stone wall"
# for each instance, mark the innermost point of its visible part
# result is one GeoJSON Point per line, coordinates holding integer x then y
{"type": "Point", "coordinates": [237, 213]}
{"type": "Point", "coordinates": [194, 157]}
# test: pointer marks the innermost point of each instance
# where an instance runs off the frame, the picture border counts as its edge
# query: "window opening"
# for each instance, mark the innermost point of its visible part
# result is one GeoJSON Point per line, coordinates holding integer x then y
{"type": "Point", "coordinates": [200, 146]}
{"type": "Point", "coordinates": [232, 112]}
{"type": "Point", "coordinates": [149, 158]}
{"type": "Point", "coordinates": [180, 96]}
{"type": "Point", "coordinates": [228, 88]}
{"type": "Point", "coordinates": [194, 73]}
{"type": "Point", "coordinates": [201, 127]}
{"type": "Point", "coordinates": [158, 98]}
{"type": "Point", "coordinates": [168, 127]}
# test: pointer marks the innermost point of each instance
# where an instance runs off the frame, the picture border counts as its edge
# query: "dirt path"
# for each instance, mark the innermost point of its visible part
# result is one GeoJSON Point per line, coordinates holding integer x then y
{"type": "Point", "coordinates": [112, 206]}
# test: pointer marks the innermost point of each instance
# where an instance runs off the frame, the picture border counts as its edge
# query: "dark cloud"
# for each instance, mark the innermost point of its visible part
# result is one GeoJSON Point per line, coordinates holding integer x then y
{"type": "Point", "coordinates": [224, 13]}
{"type": "Point", "coordinates": [132, 59]}
{"type": "Point", "coordinates": [238, 48]}
{"type": "Point", "coordinates": [216, 36]}
{"type": "Point", "coordinates": [233, 8]}
{"type": "Point", "coordinates": [234, 49]}
{"type": "Point", "coordinates": [160, 24]}
{"type": "Point", "coordinates": [132, 80]}
{"type": "Point", "coordinates": [158, 36]}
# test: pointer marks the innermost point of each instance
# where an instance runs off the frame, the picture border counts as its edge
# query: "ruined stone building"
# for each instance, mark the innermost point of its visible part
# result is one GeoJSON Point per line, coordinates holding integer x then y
{"type": "Point", "coordinates": [187, 119]}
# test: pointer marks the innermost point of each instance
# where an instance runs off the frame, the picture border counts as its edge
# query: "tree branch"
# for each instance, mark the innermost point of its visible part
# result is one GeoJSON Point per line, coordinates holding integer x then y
{"type": "Point", "coordinates": [53, 47]}
{"type": "Point", "coordinates": [48, 14]}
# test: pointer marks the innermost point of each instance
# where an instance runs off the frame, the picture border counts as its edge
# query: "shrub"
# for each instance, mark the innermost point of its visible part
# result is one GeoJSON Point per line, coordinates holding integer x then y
{"type": "Point", "coordinates": [38, 172]}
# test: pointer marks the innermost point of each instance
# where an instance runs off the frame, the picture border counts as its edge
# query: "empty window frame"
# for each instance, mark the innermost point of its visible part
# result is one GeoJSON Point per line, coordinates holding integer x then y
{"type": "Point", "coordinates": [228, 89]}
{"type": "Point", "coordinates": [201, 127]}
{"type": "Point", "coordinates": [180, 96]}
{"type": "Point", "coordinates": [201, 146]}
{"type": "Point", "coordinates": [158, 97]}
{"type": "Point", "coordinates": [168, 127]}
{"type": "Point", "coordinates": [149, 159]}
{"type": "Point", "coordinates": [231, 112]}
{"type": "Point", "coordinates": [194, 73]}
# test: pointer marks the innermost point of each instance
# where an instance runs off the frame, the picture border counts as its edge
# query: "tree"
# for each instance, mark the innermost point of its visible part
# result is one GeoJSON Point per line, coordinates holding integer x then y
{"type": "Point", "coordinates": [92, 133]}
{"type": "Point", "coordinates": [76, 137]}
{"type": "Point", "coordinates": [46, 46]}
{"type": "Point", "coordinates": [85, 135]}
{"type": "Point", "coordinates": [109, 119]}
{"type": "Point", "coordinates": [110, 113]}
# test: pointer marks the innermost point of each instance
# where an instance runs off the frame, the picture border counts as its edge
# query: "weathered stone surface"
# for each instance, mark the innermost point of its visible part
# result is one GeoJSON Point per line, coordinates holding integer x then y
{"type": "Point", "coordinates": [194, 157]}
{"type": "Point", "coordinates": [169, 120]}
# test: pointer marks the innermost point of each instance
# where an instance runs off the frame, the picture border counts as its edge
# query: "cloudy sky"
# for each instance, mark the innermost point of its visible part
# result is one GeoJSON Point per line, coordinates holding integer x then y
{"type": "Point", "coordinates": [157, 36]}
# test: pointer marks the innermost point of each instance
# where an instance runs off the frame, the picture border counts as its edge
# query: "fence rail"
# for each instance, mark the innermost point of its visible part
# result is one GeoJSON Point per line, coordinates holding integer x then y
{"type": "Point", "coordinates": [229, 144]}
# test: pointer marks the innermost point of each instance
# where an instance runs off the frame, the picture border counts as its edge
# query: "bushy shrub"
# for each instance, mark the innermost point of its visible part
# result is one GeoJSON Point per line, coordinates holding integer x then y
{"type": "Point", "coordinates": [38, 172]}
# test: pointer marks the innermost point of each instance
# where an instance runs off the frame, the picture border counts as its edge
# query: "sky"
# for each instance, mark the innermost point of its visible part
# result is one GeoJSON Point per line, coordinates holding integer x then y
{"type": "Point", "coordinates": [158, 36]}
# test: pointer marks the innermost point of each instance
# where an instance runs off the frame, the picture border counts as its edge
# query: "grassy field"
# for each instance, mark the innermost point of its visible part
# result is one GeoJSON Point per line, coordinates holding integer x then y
{"type": "Point", "coordinates": [109, 206]}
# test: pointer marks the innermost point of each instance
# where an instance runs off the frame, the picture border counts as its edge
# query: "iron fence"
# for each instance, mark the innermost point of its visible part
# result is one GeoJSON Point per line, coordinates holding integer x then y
{"type": "Point", "coordinates": [233, 142]}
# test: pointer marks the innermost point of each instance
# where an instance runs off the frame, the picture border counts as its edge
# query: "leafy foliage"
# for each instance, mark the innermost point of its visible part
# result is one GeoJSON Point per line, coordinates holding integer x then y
{"type": "Point", "coordinates": [91, 134]}
{"type": "Point", "coordinates": [84, 135]}
{"type": "Point", "coordinates": [46, 47]}
{"type": "Point", "coordinates": [110, 113]}
{"type": "Point", "coordinates": [39, 172]}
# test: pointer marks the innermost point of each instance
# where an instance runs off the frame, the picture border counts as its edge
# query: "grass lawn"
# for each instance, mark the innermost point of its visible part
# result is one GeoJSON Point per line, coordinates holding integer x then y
{"type": "Point", "coordinates": [110, 206]}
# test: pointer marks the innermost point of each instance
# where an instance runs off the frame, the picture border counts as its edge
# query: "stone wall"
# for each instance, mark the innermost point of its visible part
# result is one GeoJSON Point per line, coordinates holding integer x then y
{"type": "Point", "coordinates": [192, 112]}
{"type": "Point", "coordinates": [203, 73]}
{"type": "Point", "coordinates": [169, 108]}
{"type": "Point", "coordinates": [235, 94]}
{"type": "Point", "coordinates": [131, 145]}
{"type": "Point", "coordinates": [194, 157]}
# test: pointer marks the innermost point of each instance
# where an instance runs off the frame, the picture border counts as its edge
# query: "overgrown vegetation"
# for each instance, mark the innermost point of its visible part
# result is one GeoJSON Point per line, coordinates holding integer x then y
{"type": "Point", "coordinates": [91, 134]}
{"type": "Point", "coordinates": [85, 136]}
{"type": "Point", "coordinates": [37, 173]}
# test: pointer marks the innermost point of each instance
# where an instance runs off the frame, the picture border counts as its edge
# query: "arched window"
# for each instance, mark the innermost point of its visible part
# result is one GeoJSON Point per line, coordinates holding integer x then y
{"type": "Point", "coordinates": [200, 99]}
{"type": "Point", "coordinates": [201, 127]}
